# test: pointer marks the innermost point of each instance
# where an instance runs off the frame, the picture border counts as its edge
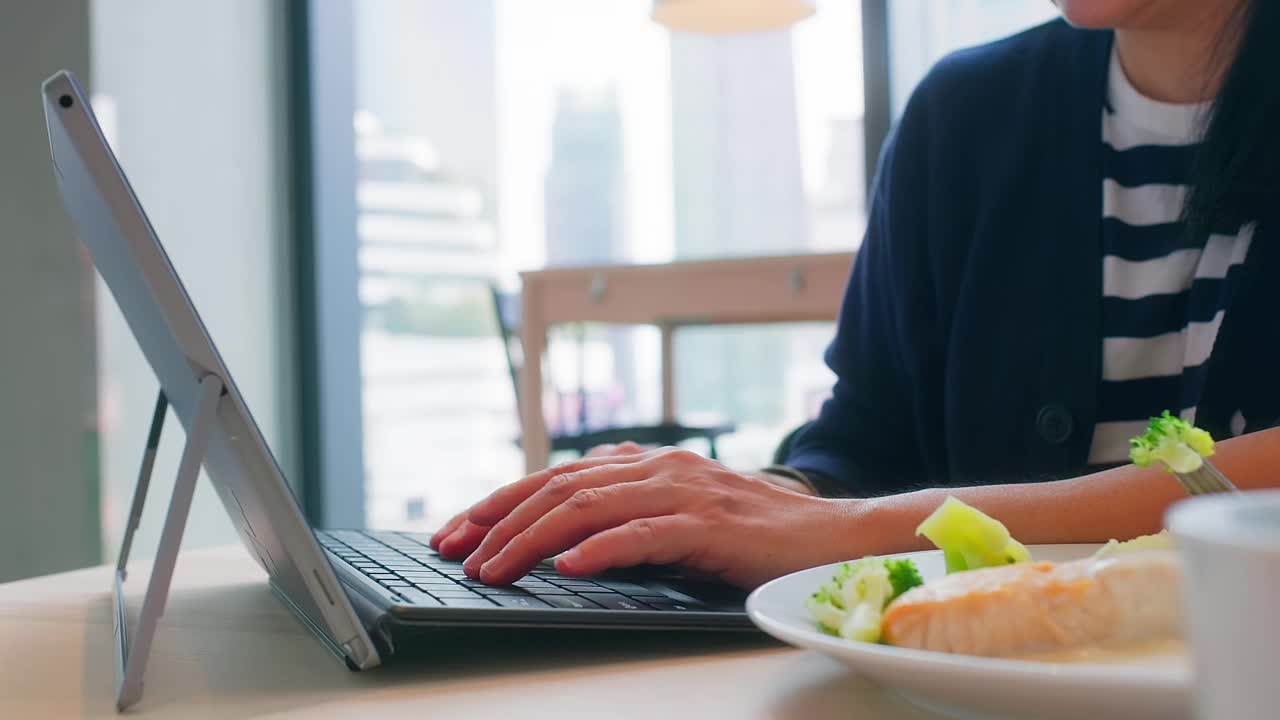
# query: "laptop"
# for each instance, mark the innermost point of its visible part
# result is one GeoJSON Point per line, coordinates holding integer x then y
{"type": "Point", "coordinates": [357, 590]}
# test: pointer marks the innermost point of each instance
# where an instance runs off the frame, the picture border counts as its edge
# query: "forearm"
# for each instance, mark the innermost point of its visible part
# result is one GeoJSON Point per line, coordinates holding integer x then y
{"type": "Point", "coordinates": [1120, 503]}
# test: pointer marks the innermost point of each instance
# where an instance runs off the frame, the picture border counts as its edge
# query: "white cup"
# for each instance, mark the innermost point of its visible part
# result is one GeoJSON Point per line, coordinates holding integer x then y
{"type": "Point", "coordinates": [1230, 548]}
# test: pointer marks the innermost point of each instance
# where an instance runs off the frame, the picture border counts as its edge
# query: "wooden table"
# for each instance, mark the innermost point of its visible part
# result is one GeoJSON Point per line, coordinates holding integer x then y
{"type": "Point", "coordinates": [779, 289]}
{"type": "Point", "coordinates": [227, 648]}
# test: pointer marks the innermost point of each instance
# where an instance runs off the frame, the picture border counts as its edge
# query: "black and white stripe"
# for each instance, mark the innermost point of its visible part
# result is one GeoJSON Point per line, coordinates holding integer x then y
{"type": "Point", "coordinates": [1163, 293]}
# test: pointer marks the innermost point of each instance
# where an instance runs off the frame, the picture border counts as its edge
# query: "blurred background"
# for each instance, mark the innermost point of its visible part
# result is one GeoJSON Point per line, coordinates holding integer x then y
{"type": "Point", "coordinates": [347, 189]}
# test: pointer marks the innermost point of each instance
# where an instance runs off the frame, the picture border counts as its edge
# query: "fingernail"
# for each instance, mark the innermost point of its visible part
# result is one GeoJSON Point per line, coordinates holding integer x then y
{"type": "Point", "coordinates": [488, 571]}
{"type": "Point", "coordinates": [567, 562]}
{"type": "Point", "coordinates": [449, 551]}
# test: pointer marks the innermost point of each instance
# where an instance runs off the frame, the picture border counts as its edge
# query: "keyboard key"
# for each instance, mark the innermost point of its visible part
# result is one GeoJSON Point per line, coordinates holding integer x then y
{"type": "Point", "coordinates": [421, 555]}
{"type": "Point", "coordinates": [437, 581]}
{"type": "Point", "coordinates": [418, 598]}
{"type": "Point", "coordinates": [458, 594]}
{"type": "Point", "coordinates": [580, 586]}
{"type": "Point", "coordinates": [625, 588]}
{"type": "Point", "coordinates": [533, 584]}
{"type": "Point", "coordinates": [614, 601]}
{"type": "Point", "coordinates": [514, 601]}
{"type": "Point", "coordinates": [478, 602]}
{"type": "Point", "coordinates": [435, 587]}
{"type": "Point", "coordinates": [539, 592]}
{"type": "Point", "coordinates": [508, 590]}
{"type": "Point", "coordinates": [569, 602]}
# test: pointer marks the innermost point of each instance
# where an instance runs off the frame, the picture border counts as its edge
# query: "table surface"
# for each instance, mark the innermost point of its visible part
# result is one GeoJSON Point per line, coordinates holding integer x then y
{"type": "Point", "coordinates": [227, 648]}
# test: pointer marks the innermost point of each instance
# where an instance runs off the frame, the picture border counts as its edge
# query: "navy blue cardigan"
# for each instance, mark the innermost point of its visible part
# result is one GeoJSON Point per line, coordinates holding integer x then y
{"type": "Point", "coordinates": [968, 347]}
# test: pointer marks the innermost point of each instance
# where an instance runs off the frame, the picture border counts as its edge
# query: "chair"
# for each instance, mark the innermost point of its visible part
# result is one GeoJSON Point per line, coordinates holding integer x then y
{"type": "Point", "coordinates": [507, 311]}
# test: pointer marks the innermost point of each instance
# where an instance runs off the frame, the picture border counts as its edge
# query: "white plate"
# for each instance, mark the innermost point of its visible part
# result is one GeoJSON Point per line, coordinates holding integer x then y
{"type": "Point", "coordinates": [964, 686]}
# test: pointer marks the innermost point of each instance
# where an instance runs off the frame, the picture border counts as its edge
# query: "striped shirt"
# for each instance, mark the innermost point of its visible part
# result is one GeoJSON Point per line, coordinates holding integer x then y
{"type": "Point", "coordinates": [1163, 294]}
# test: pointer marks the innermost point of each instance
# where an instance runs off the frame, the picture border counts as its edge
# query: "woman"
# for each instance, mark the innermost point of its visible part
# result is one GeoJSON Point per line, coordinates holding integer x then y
{"type": "Point", "coordinates": [1072, 229]}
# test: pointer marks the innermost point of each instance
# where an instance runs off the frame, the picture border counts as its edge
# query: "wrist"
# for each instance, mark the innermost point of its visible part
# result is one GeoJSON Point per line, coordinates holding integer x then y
{"type": "Point", "coordinates": [843, 531]}
{"type": "Point", "coordinates": [787, 478]}
{"type": "Point", "coordinates": [813, 483]}
{"type": "Point", "coordinates": [889, 523]}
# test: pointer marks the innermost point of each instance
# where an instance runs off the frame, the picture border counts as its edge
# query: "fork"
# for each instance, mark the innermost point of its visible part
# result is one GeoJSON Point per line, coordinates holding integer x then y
{"type": "Point", "coordinates": [1205, 480]}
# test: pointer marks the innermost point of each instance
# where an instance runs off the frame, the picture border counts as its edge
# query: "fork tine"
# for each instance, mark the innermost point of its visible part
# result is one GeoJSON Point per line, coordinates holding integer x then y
{"type": "Point", "coordinates": [1220, 480]}
{"type": "Point", "coordinates": [1205, 480]}
{"type": "Point", "coordinates": [1192, 483]}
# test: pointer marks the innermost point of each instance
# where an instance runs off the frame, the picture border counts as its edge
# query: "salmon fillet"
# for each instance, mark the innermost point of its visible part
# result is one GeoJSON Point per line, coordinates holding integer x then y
{"type": "Point", "coordinates": [1041, 607]}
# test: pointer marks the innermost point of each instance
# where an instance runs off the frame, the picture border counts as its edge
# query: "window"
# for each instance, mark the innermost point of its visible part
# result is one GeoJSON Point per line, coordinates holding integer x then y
{"type": "Point", "coordinates": [922, 31]}
{"type": "Point", "coordinates": [209, 172]}
{"type": "Point", "coordinates": [495, 136]}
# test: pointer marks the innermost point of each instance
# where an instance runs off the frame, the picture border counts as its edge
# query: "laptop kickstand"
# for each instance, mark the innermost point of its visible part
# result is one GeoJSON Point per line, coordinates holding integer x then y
{"type": "Point", "coordinates": [132, 649]}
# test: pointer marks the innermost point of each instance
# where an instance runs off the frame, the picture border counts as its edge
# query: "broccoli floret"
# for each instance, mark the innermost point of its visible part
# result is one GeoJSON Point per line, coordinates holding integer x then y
{"type": "Point", "coordinates": [969, 539]}
{"type": "Point", "coordinates": [1181, 446]}
{"type": "Point", "coordinates": [903, 575]}
{"type": "Point", "coordinates": [852, 602]}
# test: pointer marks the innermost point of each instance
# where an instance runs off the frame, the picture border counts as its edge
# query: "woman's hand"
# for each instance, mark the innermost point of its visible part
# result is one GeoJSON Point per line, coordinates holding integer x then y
{"type": "Point", "coordinates": [622, 448]}
{"type": "Point", "coordinates": [665, 506]}
{"type": "Point", "coordinates": [460, 536]}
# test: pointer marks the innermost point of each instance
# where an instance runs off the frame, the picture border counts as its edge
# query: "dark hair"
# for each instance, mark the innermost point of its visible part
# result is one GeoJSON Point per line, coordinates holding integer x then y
{"type": "Point", "coordinates": [1237, 171]}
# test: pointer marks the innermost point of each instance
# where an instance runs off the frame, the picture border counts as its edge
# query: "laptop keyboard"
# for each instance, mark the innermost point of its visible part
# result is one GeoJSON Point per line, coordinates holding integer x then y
{"type": "Point", "coordinates": [405, 565]}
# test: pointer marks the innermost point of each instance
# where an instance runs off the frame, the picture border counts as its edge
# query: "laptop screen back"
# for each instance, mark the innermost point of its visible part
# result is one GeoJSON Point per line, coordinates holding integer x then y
{"type": "Point", "coordinates": [136, 269]}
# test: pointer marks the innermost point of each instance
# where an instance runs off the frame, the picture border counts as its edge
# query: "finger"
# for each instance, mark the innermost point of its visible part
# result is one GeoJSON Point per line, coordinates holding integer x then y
{"type": "Point", "coordinates": [447, 530]}
{"type": "Point", "coordinates": [623, 448]}
{"type": "Point", "coordinates": [667, 540]}
{"type": "Point", "coordinates": [463, 541]}
{"type": "Point", "coordinates": [601, 451]}
{"type": "Point", "coordinates": [505, 499]}
{"type": "Point", "coordinates": [584, 514]}
{"type": "Point", "coordinates": [550, 495]}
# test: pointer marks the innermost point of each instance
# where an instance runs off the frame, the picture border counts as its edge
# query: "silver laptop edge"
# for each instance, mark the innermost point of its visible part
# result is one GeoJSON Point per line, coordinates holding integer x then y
{"type": "Point", "coordinates": [132, 261]}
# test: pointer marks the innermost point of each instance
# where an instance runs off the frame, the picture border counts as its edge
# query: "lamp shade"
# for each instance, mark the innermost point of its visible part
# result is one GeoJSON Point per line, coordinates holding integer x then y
{"type": "Point", "coordinates": [730, 16]}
